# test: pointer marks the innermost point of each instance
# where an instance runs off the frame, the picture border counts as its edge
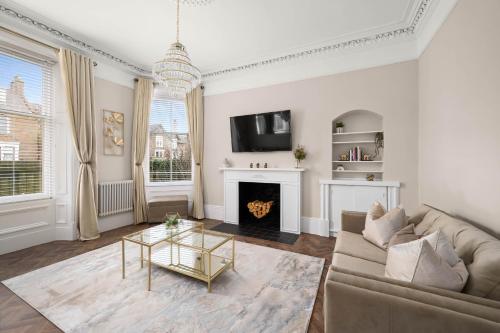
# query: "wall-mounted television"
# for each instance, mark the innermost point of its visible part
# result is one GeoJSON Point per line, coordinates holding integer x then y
{"type": "Point", "coordinates": [270, 131]}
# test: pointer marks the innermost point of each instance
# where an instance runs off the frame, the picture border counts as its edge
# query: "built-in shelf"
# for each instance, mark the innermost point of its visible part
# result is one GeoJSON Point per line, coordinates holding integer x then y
{"type": "Point", "coordinates": [358, 161]}
{"type": "Point", "coordinates": [355, 133]}
{"type": "Point", "coordinates": [361, 131]}
{"type": "Point", "coordinates": [358, 171]}
{"type": "Point", "coordinates": [352, 142]}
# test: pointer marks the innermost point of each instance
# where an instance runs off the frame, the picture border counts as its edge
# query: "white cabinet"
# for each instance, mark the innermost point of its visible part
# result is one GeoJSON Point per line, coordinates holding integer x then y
{"type": "Point", "coordinates": [339, 195]}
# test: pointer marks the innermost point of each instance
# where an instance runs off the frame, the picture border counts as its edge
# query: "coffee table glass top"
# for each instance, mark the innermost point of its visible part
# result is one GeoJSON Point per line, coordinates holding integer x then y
{"type": "Point", "coordinates": [159, 233]}
{"type": "Point", "coordinates": [203, 240]}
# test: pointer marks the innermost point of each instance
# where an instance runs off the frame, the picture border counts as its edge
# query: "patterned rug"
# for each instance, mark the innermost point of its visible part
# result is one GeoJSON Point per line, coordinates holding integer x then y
{"type": "Point", "coordinates": [270, 291]}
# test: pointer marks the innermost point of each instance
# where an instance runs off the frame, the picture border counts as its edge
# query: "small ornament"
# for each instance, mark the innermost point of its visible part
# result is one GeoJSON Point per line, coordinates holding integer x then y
{"type": "Point", "coordinates": [251, 165]}
{"type": "Point", "coordinates": [226, 163]}
{"type": "Point", "coordinates": [340, 168]}
{"type": "Point", "coordinates": [343, 157]}
{"type": "Point", "coordinates": [370, 178]}
{"type": "Point", "coordinates": [265, 165]}
{"type": "Point", "coordinates": [258, 165]}
{"type": "Point", "coordinates": [367, 157]}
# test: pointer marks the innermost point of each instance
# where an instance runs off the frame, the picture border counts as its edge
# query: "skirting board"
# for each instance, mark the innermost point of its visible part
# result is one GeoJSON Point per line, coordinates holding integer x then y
{"type": "Point", "coordinates": [310, 225]}
{"type": "Point", "coordinates": [115, 221]}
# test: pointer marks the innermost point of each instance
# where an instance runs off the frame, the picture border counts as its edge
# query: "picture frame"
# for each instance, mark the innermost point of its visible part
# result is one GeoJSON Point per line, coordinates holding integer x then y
{"type": "Point", "coordinates": [113, 133]}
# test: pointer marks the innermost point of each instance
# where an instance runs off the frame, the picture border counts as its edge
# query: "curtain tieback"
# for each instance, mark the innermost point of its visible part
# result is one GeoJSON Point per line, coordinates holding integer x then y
{"type": "Point", "coordinates": [198, 164]}
{"type": "Point", "coordinates": [138, 164]}
{"type": "Point", "coordinates": [85, 162]}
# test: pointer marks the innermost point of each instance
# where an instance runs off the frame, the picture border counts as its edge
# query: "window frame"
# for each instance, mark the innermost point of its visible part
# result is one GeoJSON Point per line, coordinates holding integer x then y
{"type": "Point", "coordinates": [48, 145]}
{"type": "Point", "coordinates": [147, 158]}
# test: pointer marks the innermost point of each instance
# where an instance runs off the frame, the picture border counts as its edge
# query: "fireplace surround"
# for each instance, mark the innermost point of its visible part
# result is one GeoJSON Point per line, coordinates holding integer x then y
{"type": "Point", "coordinates": [289, 182]}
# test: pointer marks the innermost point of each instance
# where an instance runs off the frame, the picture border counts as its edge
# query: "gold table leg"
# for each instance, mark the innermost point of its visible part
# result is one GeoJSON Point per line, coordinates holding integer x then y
{"type": "Point", "coordinates": [209, 272]}
{"type": "Point", "coordinates": [123, 259]}
{"type": "Point", "coordinates": [232, 264]}
{"type": "Point", "coordinates": [142, 256]}
{"type": "Point", "coordinates": [149, 268]}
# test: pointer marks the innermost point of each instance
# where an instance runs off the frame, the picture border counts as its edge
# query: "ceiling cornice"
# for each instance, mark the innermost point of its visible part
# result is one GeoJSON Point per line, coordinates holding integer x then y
{"type": "Point", "coordinates": [71, 40]}
{"type": "Point", "coordinates": [406, 31]}
{"type": "Point", "coordinates": [353, 43]}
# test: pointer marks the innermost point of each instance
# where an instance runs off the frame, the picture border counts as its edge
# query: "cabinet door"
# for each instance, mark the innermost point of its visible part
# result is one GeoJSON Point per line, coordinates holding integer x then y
{"type": "Point", "coordinates": [342, 198]}
{"type": "Point", "coordinates": [365, 196]}
{"type": "Point", "coordinates": [353, 198]}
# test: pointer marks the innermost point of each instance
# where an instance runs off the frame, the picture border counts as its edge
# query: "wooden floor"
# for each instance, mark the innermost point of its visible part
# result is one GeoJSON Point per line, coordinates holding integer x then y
{"type": "Point", "coordinates": [16, 316]}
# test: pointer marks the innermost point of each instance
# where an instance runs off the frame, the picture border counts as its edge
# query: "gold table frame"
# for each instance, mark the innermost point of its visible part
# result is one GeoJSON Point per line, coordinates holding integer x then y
{"type": "Point", "coordinates": [181, 245]}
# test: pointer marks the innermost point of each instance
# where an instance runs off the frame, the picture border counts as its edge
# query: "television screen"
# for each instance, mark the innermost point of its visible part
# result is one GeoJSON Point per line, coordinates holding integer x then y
{"type": "Point", "coordinates": [269, 131]}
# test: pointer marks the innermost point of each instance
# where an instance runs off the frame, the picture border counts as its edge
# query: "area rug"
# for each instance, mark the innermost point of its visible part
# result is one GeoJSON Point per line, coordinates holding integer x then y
{"type": "Point", "coordinates": [270, 291]}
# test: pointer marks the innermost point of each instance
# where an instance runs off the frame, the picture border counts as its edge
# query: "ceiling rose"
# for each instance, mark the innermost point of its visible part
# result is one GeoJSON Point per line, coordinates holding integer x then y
{"type": "Point", "coordinates": [175, 70]}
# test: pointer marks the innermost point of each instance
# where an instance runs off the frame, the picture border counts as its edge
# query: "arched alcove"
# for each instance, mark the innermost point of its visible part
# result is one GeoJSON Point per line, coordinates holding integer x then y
{"type": "Point", "coordinates": [358, 148]}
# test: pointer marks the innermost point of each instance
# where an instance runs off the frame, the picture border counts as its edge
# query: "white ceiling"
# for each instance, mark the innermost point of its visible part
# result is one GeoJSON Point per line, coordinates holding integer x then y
{"type": "Point", "coordinates": [222, 34]}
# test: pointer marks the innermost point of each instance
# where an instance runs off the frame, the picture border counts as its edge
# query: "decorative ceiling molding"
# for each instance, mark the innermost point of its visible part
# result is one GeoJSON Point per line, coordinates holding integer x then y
{"type": "Point", "coordinates": [406, 31]}
{"type": "Point", "coordinates": [71, 40]}
{"type": "Point", "coordinates": [409, 30]}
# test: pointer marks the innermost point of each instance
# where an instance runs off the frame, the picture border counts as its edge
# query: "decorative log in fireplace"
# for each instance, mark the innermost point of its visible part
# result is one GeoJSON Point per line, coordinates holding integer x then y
{"type": "Point", "coordinates": [259, 209]}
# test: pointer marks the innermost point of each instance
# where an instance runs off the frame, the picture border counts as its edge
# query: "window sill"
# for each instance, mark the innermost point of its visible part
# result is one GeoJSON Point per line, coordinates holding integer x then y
{"type": "Point", "coordinates": [24, 198]}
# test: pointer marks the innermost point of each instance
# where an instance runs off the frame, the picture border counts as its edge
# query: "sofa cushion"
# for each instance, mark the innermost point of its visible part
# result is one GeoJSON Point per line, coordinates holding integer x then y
{"type": "Point", "coordinates": [479, 251]}
{"type": "Point", "coordinates": [358, 265]}
{"type": "Point", "coordinates": [356, 246]}
{"type": "Point", "coordinates": [380, 229]}
{"type": "Point", "coordinates": [419, 263]}
{"type": "Point", "coordinates": [405, 235]}
{"type": "Point", "coordinates": [430, 217]}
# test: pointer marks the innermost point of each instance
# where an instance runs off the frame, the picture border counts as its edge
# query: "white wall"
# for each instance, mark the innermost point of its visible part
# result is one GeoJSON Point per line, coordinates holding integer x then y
{"type": "Point", "coordinates": [390, 91]}
{"type": "Point", "coordinates": [459, 81]}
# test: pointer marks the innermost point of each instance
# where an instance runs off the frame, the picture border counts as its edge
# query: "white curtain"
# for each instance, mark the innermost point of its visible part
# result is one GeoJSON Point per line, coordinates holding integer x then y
{"type": "Point", "coordinates": [194, 106]}
{"type": "Point", "coordinates": [78, 76]}
{"type": "Point", "coordinates": [142, 105]}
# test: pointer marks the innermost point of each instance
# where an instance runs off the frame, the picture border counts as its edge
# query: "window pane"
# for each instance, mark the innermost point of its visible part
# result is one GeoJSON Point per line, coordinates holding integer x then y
{"type": "Point", "coordinates": [169, 148]}
{"type": "Point", "coordinates": [25, 123]}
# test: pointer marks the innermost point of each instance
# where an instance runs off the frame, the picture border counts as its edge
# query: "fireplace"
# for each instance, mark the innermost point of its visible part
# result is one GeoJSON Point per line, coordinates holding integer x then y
{"type": "Point", "coordinates": [259, 205]}
{"type": "Point", "coordinates": [263, 203]}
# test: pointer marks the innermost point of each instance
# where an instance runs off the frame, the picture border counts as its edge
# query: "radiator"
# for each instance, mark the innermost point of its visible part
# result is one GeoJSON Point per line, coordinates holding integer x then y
{"type": "Point", "coordinates": [115, 197]}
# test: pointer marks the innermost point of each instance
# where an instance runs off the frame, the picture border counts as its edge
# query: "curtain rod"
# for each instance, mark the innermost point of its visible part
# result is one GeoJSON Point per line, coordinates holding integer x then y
{"type": "Point", "coordinates": [155, 83]}
{"type": "Point", "coordinates": [32, 40]}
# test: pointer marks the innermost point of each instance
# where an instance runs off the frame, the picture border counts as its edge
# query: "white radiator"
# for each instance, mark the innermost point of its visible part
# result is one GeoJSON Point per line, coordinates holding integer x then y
{"type": "Point", "coordinates": [115, 197]}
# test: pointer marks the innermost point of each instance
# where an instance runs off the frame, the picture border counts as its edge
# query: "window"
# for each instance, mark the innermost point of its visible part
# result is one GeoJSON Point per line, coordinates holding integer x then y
{"type": "Point", "coordinates": [4, 124]}
{"type": "Point", "coordinates": [169, 148]}
{"type": "Point", "coordinates": [25, 126]}
{"type": "Point", "coordinates": [159, 141]}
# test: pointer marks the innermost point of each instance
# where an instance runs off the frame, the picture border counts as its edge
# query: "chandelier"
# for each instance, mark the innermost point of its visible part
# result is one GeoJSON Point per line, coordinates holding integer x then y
{"type": "Point", "coordinates": [175, 70]}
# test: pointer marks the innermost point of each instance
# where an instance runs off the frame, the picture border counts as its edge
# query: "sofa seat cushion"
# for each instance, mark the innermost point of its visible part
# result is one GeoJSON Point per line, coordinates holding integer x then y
{"type": "Point", "coordinates": [357, 265]}
{"type": "Point", "coordinates": [355, 245]}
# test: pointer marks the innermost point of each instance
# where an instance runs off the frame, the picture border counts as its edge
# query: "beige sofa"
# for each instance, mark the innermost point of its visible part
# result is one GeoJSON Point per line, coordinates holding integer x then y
{"type": "Point", "coordinates": [358, 298]}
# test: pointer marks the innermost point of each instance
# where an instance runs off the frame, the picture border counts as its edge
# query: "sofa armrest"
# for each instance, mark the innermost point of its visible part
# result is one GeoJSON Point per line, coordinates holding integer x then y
{"type": "Point", "coordinates": [362, 303]}
{"type": "Point", "coordinates": [352, 221]}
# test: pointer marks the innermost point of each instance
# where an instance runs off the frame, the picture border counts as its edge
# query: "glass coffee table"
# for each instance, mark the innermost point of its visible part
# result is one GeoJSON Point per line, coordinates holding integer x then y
{"type": "Point", "coordinates": [187, 249]}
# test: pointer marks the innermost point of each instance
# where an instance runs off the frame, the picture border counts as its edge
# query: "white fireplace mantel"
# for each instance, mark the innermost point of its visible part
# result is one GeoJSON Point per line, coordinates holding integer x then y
{"type": "Point", "coordinates": [290, 180]}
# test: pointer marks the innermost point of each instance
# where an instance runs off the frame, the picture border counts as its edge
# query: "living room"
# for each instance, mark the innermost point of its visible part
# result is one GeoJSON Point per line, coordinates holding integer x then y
{"type": "Point", "coordinates": [249, 166]}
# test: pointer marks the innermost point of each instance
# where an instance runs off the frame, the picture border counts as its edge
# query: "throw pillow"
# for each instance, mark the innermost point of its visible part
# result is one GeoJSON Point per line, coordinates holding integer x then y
{"type": "Point", "coordinates": [381, 226]}
{"type": "Point", "coordinates": [443, 247]}
{"type": "Point", "coordinates": [405, 235]}
{"type": "Point", "coordinates": [417, 262]}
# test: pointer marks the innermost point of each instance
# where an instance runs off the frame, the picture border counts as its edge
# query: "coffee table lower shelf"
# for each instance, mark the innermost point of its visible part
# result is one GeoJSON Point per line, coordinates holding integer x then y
{"type": "Point", "coordinates": [204, 266]}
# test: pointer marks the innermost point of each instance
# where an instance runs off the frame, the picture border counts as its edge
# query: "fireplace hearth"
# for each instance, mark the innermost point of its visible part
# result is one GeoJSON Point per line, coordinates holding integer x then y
{"type": "Point", "coordinates": [259, 207]}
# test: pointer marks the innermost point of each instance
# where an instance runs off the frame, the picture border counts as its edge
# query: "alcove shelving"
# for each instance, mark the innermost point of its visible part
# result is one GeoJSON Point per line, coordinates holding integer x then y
{"type": "Point", "coordinates": [358, 139]}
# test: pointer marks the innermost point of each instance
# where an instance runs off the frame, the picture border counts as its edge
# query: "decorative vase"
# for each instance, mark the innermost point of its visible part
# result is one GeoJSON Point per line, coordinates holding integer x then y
{"type": "Point", "coordinates": [298, 164]}
{"type": "Point", "coordinates": [340, 130]}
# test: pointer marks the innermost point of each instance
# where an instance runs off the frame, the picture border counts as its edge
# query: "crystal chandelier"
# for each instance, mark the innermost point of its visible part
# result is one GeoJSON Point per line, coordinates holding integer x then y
{"type": "Point", "coordinates": [175, 70]}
